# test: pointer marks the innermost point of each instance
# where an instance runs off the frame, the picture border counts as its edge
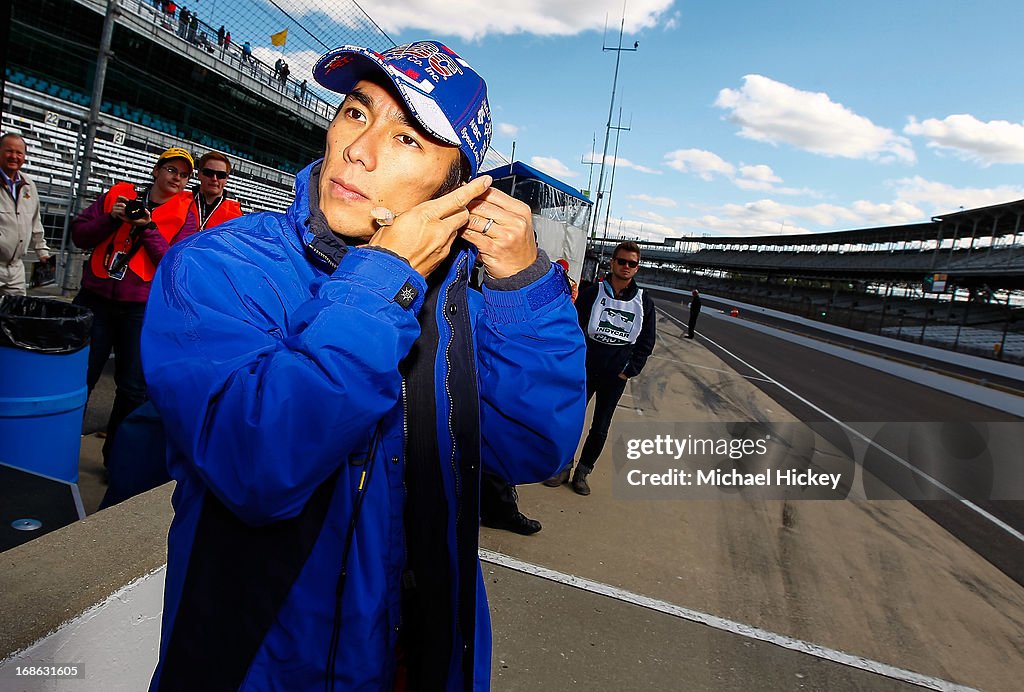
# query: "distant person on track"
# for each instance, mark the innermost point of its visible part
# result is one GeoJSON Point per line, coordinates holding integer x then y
{"type": "Point", "coordinates": [332, 389]}
{"type": "Point", "coordinates": [128, 240]}
{"type": "Point", "coordinates": [210, 203]}
{"type": "Point", "coordinates": [20, 222]}
{"type": "Point", "coordinates": [694, 313]}
{"type": "Point", "coordinates": [618, 318]}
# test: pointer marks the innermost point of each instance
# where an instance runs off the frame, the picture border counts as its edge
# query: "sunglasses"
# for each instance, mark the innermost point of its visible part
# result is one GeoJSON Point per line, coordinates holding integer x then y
{"type": "Point", "coordinates": [210, 173]}
{"type": "Point", "coordinates": [632, 264]}
{"type": "Point", "coordinates": [171, 170]}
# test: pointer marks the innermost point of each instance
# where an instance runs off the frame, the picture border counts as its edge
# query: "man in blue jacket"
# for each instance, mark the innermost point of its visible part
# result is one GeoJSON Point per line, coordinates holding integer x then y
{"type": "Point", "coordinates": [331, 391]}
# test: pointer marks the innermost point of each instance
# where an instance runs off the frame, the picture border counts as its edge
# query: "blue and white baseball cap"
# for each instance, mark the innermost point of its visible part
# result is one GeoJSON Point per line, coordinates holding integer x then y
{"type": "Point", "coordinates": [445, 95]}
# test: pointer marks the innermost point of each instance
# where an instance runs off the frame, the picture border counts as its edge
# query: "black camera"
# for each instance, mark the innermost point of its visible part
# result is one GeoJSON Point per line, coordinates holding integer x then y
{"type": "Point", "coordinates": [134, 209]}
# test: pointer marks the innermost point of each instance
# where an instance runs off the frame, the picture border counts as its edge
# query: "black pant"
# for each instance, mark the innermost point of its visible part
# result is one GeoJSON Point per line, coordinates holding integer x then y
{"type": "Point", "coordinates": [117, 327]}
{"type": "Point", "coordinates": [694, 314]}
{"type": "Point", "coordinates": [498, 499]}
{"type": "Point", "coordinates": [608, 388]}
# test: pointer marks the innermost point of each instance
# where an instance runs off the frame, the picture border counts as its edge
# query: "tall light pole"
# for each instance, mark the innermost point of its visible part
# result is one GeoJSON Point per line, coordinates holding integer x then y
{"type": "Point", "coordinates": [72, 265]}
{"type": "Point", "coordinates": [591, 163]}
{"type": "Point", "coordinates": [608, 128]}
{"type": "Point", "coordinates": [611, 186]}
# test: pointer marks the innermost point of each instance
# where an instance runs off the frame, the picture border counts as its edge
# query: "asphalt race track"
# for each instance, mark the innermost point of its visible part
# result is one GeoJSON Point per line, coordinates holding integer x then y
{"type": "Point", "coordinates": [818, 387]}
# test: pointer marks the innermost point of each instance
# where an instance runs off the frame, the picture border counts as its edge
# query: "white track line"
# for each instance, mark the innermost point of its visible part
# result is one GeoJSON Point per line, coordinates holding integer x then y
{"type": "Point", "coordinates": [910, 467]}
{"type": "Point", "coordinates": [719, 623]}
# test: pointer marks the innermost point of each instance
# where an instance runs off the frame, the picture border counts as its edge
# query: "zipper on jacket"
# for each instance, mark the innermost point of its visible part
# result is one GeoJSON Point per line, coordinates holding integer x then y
{"type": "Point", "coordinates": [326, 260]}
{"type": "Point", "coordinates": [447, 388]}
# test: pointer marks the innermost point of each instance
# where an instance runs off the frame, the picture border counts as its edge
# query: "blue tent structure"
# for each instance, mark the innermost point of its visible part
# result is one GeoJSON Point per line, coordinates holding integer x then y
{"type": "Point", "coordinates": [560, 211]}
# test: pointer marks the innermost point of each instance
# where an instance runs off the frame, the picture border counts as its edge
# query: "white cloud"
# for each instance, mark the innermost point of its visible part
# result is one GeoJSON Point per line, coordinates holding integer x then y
{"type": "Point", "coordinates": [508, 129]}
{"type": "Point", "coordinates": [773, 112]}
{"type": "Point", "coordinates": [700, 162]}
{"type": "Point", "coordinates": [707, 165]}
{"type": "Point", "coordinates": [657, 201]}
{"type": "Point", "coordinates": [995, 141]}
{"type": "Point", "coordinates": [759, 174]}
{"type": "Point", "coordinates": [619, 163]}
{"type": "Point", "coordinates": [939, 198]}
{"type": "Point", "coordinates": [916, 200]}
{"type": "Point", "coordinates": [470, 19]}
{"type": "Point", "coordinates": [552, 166]}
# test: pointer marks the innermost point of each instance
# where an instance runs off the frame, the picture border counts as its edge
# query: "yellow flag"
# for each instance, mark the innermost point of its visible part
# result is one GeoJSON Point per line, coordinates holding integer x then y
{"type": "Point", "coordinates": [279, 38]}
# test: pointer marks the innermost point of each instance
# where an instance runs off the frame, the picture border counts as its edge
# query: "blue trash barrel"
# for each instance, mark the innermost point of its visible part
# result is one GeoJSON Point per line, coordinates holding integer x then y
{"type": "Point", "coordinates": [44, 354]}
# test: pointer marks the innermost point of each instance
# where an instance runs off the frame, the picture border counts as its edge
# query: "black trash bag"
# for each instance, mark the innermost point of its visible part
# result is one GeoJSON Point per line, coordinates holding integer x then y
{"type": "Point", "coordinates": [43, 325]}
{"type": "Point", "coordinates": [44, 272]}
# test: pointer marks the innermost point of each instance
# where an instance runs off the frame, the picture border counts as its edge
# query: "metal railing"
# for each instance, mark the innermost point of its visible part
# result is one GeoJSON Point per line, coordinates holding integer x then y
{"type": "Point", "coordinates": [203, 37]}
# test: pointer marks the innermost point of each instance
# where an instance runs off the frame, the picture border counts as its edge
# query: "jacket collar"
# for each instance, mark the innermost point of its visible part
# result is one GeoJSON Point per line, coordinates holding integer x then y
{"type": "Point", "coordinates": [628, 293]}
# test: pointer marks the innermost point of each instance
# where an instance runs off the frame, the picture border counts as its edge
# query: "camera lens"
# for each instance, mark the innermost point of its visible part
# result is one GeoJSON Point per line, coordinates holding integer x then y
{"type": "Point", "coordinates": [134, 209]}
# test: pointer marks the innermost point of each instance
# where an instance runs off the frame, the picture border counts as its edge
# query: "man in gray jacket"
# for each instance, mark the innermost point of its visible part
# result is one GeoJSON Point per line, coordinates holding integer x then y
{"type": "Point", "coordinates": [20, 224]}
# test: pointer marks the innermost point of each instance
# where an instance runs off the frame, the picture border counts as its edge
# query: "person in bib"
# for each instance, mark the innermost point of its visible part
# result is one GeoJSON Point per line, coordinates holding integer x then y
{"type": "Point", "coordinates": [129, 229]}
{"type": "Point", "coordinates": [210, 202]}
{"type": "Point", "coordinates": [618, 319]}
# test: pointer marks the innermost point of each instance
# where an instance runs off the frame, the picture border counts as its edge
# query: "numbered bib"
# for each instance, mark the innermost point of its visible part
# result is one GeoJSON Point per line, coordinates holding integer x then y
{"type": "Point", "coordinates": [616, 322]}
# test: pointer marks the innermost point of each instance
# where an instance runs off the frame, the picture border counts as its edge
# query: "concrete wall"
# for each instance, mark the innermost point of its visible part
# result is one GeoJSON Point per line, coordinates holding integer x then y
{"type": "Point", "coordinates": [89, 595]}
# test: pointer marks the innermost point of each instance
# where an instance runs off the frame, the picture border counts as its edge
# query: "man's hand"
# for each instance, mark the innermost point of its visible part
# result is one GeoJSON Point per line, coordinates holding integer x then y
{"type": "Point", "coordinates": [424, 234]}
{"type": "Point", "coordinates": [623, 376]}
{"type": "Point", "coordinates": [501, 227]}
{"type": "Point", "coordinates": [118, 213]}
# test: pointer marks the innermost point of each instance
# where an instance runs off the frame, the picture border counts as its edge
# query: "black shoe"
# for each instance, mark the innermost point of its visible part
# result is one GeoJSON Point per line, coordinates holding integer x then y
{"type": "Point", "coordinates": [579, 482]}
{"type": "Point", "coordinates": [559, 478]}
{"type": "Point", "coordinates": [518, 523]}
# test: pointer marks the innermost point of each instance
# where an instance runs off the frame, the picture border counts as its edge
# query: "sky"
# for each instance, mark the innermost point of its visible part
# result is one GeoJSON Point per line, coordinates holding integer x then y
{"type": "Point", "coordinates": [745, 117]}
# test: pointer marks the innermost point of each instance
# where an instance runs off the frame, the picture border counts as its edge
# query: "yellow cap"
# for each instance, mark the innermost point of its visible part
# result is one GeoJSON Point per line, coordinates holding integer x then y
{"type": "Point", "coordinates": [176, 153]}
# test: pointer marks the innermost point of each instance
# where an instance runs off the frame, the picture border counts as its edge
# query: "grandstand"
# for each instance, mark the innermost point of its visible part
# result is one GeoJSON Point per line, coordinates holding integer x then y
{"type": "Point", "coordinates": [163, 88]}
{"type": "Point", "coordinates": [954, 282]}
{"type": "Point", "coordinates": [54, 130]}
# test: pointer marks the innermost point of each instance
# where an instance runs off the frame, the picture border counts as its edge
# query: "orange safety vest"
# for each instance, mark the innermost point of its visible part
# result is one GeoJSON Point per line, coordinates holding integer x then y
{"type": "Point", "coordinates": [169, 217]}
{"type": "Point", "coordinates": [227, 209]}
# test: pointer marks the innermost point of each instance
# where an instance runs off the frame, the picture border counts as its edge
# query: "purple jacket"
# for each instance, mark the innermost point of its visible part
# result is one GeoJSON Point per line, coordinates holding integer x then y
{"type": "Point", "coordinates": [90, 228]}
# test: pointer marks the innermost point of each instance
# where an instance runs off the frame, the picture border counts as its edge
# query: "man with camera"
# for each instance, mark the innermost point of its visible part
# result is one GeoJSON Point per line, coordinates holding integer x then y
{"type": "Point", "coordinates": [129, 230]}
{"type": "Point", "coordinates": [20, 224]}
{"type": "Point", "coordinates": [210, 202]}
{"type": "Point", "coordinates": [332, 389]}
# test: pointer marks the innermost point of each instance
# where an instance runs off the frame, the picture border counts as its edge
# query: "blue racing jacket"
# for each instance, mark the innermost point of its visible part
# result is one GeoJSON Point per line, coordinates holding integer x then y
{"type": "Point", "coordinates": [326, 515]}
